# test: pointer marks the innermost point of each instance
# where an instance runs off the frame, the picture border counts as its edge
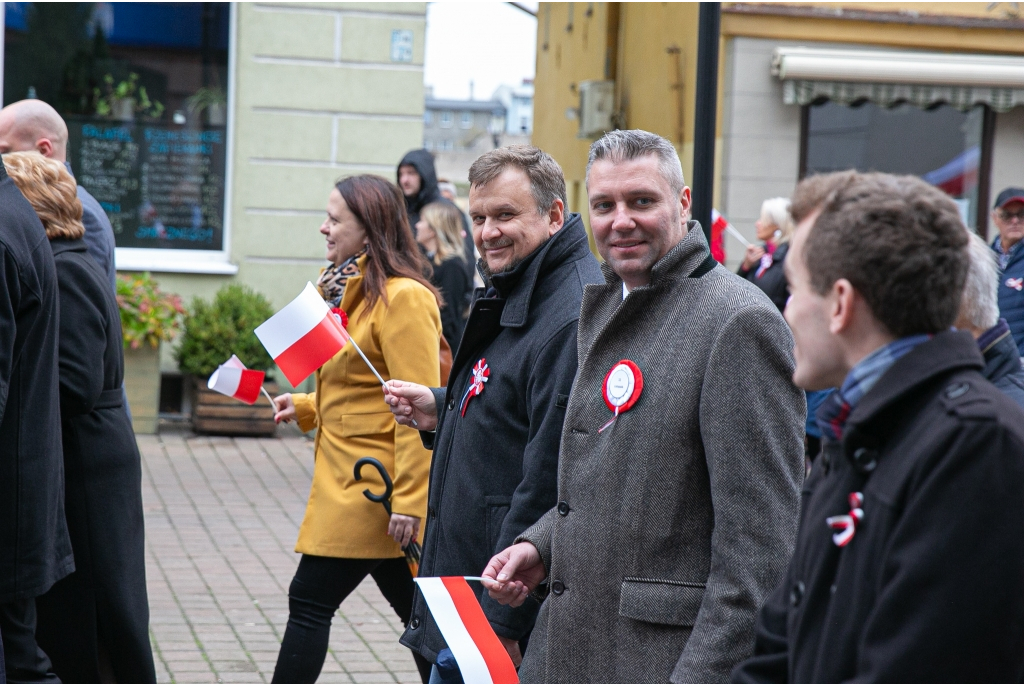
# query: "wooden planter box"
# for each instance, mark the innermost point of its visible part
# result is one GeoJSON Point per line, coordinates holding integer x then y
{"type": "Point", "coordinates": [216, 414]}
{"type": "Point", "coordinates": [142, 385]}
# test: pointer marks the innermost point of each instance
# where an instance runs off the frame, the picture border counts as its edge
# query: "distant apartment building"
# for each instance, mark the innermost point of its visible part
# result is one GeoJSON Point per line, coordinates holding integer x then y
{"type": "Point", "coordinates": [459, 131]}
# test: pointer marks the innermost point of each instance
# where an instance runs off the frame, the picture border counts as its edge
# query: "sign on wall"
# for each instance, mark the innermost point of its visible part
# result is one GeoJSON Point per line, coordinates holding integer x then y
{"type": "Point", "coordinates": [161, 185]}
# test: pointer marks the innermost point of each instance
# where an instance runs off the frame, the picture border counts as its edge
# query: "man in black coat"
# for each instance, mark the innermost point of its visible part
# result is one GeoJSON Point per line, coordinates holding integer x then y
{"type": "Point", "coordinates": [498, 423]}
{"type": "Point", "coordinates": [417, 178]}
{"type": "Point", "coordinates": [909, 563]}
{"type": "Point", "coordinates": [35, 551]}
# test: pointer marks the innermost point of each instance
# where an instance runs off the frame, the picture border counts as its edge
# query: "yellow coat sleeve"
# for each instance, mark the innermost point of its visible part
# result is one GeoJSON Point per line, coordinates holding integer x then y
{"type": "Point", "coordinates": [305, 410]}
{"type": "Point", "coordinates": [410, 343]}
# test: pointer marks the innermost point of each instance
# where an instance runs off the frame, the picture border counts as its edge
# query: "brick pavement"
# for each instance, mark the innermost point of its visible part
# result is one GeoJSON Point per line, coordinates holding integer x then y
{"type": "Point", "coordinates": [222, 516]}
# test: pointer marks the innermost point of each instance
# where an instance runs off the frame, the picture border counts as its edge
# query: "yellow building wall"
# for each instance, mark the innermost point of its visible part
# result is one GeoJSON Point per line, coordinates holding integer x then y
{"type": "Point", "coordinates": [643, 46]}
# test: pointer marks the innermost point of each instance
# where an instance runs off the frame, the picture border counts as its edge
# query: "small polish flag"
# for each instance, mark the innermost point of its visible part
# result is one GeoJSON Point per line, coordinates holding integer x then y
{"type": "Point", "coordinates": [718, 226]}
{"type": "Point", "coordinates": [234, 380]}
{"type": "Point", "coordinates": [302, 336]}
{"type": "Point", "coordinates": [457, 613]}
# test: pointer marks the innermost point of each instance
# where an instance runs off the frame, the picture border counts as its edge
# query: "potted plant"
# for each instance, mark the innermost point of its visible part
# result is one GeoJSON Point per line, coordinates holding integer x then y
{"type": "Point", "coordinates": [148, 316]}
{"type": "Point", "coordinates": [213, 331]}
{"type": "Point", "coordinates": [213, 100]}
{"type": "Point", "coordinates": [125, 99]}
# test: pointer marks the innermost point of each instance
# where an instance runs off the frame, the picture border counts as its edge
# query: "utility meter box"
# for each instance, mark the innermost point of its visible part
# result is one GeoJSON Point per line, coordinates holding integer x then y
{"type": "Point", "coordinates": [597, 108]}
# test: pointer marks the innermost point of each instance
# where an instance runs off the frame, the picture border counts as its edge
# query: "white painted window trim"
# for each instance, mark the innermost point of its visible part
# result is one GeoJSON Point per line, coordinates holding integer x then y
{"type": "Point", "coordinates": [199, 261]}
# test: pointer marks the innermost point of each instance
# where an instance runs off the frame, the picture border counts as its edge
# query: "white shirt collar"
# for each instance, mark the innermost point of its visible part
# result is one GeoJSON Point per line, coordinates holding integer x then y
{"type": "Point", "coordinates": [625, 290]}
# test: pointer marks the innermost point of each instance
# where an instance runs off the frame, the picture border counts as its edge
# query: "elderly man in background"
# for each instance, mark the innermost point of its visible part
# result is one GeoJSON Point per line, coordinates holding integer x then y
{"type": "Point", "coordinates": [499, 421]}
{"type": "Point", "coordinates": [682, 454]}
{"type": "Point", "coordinates": [1008, 216]}
{"type": "Point", "coordinates": [979, 314]}
{"type": "Point", "coordinates": [35, 125]}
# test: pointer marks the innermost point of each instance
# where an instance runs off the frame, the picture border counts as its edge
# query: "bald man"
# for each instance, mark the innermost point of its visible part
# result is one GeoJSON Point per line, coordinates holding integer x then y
{"type": "Point", "coordinates": [35, 125]}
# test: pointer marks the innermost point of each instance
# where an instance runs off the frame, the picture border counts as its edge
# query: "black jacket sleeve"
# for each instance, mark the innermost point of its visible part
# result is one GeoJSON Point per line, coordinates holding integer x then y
{"type": "Point", "coordinates": [83, 337]}
{"type": "Point", "coordinates": [770, 662]}
{"type": "Point", "coordinates": [547, 393]}
{"type": "Point", "coordinates": [8, 322]}
{"type": "Point", "coordinates": [450, 278]}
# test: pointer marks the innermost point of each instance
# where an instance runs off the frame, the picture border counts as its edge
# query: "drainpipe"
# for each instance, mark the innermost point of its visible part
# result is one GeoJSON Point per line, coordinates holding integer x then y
{"type": "Point", "coordinates": [703, 182]}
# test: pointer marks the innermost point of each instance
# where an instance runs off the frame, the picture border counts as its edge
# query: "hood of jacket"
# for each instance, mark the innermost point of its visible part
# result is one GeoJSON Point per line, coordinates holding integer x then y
{"type": "Point", "coordinates": [423, 162]}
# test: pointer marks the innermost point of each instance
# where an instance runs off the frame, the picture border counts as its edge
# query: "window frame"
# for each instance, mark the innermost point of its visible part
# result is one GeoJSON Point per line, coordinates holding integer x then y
{"type": "Point", "coordinates": [465, 119]}
{"type": "Point", "coordinates": [984, 164]}
{"type": "Point", "coordinates": [446, 119]}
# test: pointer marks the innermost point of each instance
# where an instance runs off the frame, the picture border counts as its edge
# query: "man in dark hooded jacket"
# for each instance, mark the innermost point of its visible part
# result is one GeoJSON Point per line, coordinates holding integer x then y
{"type": "Point", "coordinates": [35, 550]}
{"type": "Point", "coordinates": [417, 178]}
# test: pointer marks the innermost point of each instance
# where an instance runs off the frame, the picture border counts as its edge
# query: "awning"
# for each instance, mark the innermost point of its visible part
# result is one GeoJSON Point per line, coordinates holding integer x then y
{"type": "Point", "coordinates": [887, 77]}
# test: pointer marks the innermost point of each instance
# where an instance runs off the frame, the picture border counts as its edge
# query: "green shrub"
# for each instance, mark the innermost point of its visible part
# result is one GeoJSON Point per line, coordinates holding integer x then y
{"type": "Point", "coordinates": [147, 314]}
{"type": "Point", "coordinates": [215, 331]}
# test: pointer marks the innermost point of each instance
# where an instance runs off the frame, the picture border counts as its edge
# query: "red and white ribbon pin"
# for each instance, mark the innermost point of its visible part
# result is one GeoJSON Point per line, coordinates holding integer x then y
{"type": "Point", "coordinates": [481, 372]}
{"type": "Point", "coordinates": [457, 613]}
{"type": "Point", "coordinates": [622, 387]}
{"type": "Point", "coordinates": [846, 524]}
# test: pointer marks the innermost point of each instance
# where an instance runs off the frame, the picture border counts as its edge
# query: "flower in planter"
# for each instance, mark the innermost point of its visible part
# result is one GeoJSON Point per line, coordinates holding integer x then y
{"type": "Point", "coordinates": [147, 314]}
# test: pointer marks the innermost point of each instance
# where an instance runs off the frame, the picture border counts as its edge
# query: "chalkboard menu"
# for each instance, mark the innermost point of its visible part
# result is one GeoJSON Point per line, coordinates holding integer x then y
{"type": "Point", "coordinates": [162, 186]}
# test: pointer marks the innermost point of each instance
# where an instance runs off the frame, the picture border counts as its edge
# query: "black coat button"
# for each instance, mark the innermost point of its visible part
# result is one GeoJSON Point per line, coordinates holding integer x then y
{"type": "Point", "coordinates": [796, 595]}
{"type": "Point", "coordinates": [414, 624]}
{"type": "Point", "coordinates": [865, 460]}
{"type": "Point", "coordinates": [563, 508]}
{"type": "Point", "coordinates": [558, 587]}
{"type": "Point", "coordinates": [955, 390]}
{"type": "Point", "coordinates": [451, 404]}
{"type": "Point", "coordinates": [431, 513]}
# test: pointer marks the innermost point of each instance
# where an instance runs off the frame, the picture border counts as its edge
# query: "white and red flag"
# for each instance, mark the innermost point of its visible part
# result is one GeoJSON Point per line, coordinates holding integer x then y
{"type": "Point", "coordinates": [234, 380]}
{"type": "Point", "coordinates": [303, 336]}
{"type": "Point", "coordinates": [480, 655]}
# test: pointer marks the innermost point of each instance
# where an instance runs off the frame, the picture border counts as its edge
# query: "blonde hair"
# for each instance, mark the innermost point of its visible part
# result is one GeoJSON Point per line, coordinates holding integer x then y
{"type": "Point", "coordinates": [446, 220]}
{"type": "Point", "coordinates": [51, 190]}
{"type": "Point", "coordinates": [776, 210]}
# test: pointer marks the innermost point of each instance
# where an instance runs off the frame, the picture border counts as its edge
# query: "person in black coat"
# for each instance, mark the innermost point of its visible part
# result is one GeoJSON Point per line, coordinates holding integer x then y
{"type": "Point", "coordinates": [439, 233]}
{"type": "Point", "coordinates": [498, 424]}
{"type": "Point", "coordinates": [762, 266]}
{"type": "Point", "coordinates": [909, 561]}
{"type": "Point", "coordinates": [94, 624]}
{"type": "Point", "coordinates": [35, 550]}
{"type": "Point", "coordinates": [417, 178]}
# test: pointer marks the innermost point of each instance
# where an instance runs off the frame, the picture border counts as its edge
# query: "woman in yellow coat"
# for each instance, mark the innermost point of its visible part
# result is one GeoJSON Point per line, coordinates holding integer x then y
{"type": "Point", "coordinates": [377, 278]}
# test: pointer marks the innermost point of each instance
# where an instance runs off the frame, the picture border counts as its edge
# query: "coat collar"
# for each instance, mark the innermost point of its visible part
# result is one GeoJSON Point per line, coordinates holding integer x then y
{"type": "Point", "coordinates": [679, 262]}
{"type": "Point", "coordinates": [517, 286]}
{"type": "Point", "coordinates": [60, 245]}
{"type": "Point", "coordinates": [946, 352]}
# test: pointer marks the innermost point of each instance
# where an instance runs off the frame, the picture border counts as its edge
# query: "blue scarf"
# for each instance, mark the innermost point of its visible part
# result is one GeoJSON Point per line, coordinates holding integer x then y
{"type": "Point", "coordinates": [837, 407]}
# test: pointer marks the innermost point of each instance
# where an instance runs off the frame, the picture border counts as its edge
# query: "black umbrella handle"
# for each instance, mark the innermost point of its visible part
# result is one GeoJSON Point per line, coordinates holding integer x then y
{"type": "Point", "coordinates": [389, 487]}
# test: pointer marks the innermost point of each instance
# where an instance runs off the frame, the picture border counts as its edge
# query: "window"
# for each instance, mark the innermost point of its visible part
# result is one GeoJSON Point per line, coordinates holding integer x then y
{"type": "Point", "coordinates": [524, 124]}
{"type": "Point", "coordinates": [447, 116]}
{"type": "Point", "coordinates": [428, 117]}
{"type": "Point", "coordinates": [466, 120]}
{"type": "Point", "coordinates": [428, 144]}
{"type": "Point", "coordinates": [157, 164]}
{"type": "Point", "coordinates": [943, 145]}
{"type": "Point", "coordinates": [445, 145]}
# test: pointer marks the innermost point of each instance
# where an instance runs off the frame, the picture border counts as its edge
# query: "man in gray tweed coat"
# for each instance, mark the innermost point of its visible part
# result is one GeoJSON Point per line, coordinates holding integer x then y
{"type": "Point", "coordinates": [681, 458]}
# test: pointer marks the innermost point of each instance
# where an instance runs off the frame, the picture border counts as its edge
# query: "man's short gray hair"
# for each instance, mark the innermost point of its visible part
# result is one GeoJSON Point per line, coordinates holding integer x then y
{"type": "Point", "coordinates": [547, 183]}
{"type": "Point", "coordinates": [623, 146]}
{"type": "Point", "coordinates": [979, 307]}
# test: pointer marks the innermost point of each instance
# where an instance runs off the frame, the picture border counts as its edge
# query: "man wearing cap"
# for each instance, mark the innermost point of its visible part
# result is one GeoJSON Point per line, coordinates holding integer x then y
{"type": "Point", "coordinates": [1008, 216]}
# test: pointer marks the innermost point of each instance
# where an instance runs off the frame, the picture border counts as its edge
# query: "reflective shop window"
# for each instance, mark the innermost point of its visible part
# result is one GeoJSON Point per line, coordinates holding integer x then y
{"type": "Point", "coordinates": [942, 145]}
{"type": "Point", "coordinates": [143, 88]}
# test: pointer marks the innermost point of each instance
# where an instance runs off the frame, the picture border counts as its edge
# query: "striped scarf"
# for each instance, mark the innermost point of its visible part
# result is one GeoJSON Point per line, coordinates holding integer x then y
{"type": "Point", "coordinates": [836, 409]}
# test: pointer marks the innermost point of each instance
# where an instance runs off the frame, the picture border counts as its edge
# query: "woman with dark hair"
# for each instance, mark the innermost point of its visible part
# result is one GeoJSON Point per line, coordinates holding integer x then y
{"type": "Point", "coordinates": [94, 623]}
{"type": "Point", "coordinates": [377, 277]}
{"type": "Point", "coordinates": [439, 233]}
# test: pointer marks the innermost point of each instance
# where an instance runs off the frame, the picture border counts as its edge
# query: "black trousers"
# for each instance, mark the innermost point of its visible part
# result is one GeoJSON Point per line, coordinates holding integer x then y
{"type": "Point", "coordinates": [25, 661]}
{"type": "Point", "coordinates": [319, 587]}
